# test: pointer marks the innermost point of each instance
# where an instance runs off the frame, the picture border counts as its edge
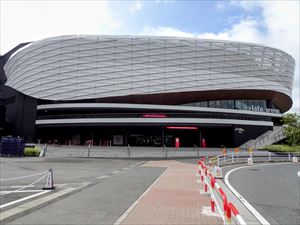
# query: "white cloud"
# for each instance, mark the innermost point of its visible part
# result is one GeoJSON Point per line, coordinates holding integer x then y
{"type": "Point", "coordinates": [281, 30]}
{"type": "Point", "coordinates": [165, 31]}
{"type": "Point", "coordinates": [137, 6]}
{"type": "Point", "coordinates": [245, 31]}
{"type": "Point", "coordinates": [23, 21]}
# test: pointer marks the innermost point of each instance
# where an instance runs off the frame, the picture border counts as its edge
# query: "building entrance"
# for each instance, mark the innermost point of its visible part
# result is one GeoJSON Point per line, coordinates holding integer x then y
{"type": "Point", "coordinates": [188, 136]}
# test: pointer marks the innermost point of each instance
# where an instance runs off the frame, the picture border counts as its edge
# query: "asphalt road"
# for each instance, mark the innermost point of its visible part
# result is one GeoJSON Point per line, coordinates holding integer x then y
{"type": "Point", "coordinates": [114, 186]}
{"type": "Point", "coordinates": [273, 190]}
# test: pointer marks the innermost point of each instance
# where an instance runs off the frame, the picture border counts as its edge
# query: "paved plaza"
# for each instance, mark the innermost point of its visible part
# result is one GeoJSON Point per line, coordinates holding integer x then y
{"type": "Point", "coordinates": [173, 199]}
{"type": "Point", "coordinates": [106, 191]}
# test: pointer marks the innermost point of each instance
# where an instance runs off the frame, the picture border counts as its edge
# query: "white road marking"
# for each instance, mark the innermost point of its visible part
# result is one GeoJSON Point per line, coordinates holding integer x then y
{"type": "Point", "coordinates": [83, 185]}
{"type": "Point", "coordinates": [125, 214]}
{"type": "Point", "coordinates": [17, 178]}
{"type": "Point", "coordinates": [299, 173]}
{"type": "Point", "coordinates": [26, 206]}
{"type": "Point", "coordinates": [30, 186]}
{"type": "Point", "coordinates": [102, 177]}
{"type": "Point", "coordinates": [258, 216]}
{"type": "Point", "coordinates": [125, 168]}
{"type": "Point", "coordinates": [22, 191]}
{"type": "Point", "coordinates": [60, 185]}
{"type": "Point", "coordinates": [36, 202]}
{"type": "Point", "coordinates": [136, 164]}
{"type": "Point", "coordinates": [140, 163]}
{"type": "Point", "coordinates": [115, 172]}
{"type": "Point", "coordinates": [23, 199]}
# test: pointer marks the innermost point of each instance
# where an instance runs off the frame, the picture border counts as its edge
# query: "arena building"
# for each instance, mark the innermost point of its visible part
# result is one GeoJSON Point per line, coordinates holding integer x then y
{"type": "Point", "coordinates": [143, 90]}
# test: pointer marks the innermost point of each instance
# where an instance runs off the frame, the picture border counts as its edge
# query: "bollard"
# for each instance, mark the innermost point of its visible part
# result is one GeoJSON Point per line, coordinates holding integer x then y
{"type": "Point", "coordinates": [89, 150]}
{"type": "Point", "coordinates": [269, 156]}
{"type": "Point", "coordinates": [295, 159]}
{"type": "Point", "coordinates": [228, 214]}
{"type": "Point", "coordinates": [212, 204]}
{"type": "Point", "coordinates": [250, 162]}
{"type": "Point", "coordinates": [212, 182]}
{"type": "Point", "coordinates": [43, 151]}
{"type": "Point", "coordinates": [205, 187]}
{"type": "Point", "coordinates": [202, 178]}
{"type": "Point", "coordinates": [49, 181]}
{"type": "Point", "coordinates": [199, 162]}
{"type": "Point", "coordinates": [289, 156]}
{"type": "Point", "coordinates": [199, 165]}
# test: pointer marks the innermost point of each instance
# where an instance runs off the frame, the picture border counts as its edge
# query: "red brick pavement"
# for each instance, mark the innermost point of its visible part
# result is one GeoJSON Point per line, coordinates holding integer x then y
{"type": "Point", "coordinates": [173, 199]}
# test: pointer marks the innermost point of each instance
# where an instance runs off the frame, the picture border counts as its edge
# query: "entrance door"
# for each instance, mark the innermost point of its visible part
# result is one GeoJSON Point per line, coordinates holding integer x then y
{"type": "Point", "coordinates": [188, 136]}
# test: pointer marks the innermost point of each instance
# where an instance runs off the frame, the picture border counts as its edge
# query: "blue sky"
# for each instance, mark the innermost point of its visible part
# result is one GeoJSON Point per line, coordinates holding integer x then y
{"type": "Point", "coordinates": [272, 23]}
{"type": "Point", "coordinates": [188, 16]}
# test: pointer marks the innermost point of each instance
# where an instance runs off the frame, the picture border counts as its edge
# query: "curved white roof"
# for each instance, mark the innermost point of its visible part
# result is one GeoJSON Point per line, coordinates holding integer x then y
{"type": "Point", "coordinates": [86, 67]}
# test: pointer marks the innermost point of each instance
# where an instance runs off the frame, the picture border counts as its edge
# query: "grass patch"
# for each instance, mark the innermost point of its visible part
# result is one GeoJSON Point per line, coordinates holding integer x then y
{"type": "Point", "coordinates": [32, 151]}
{"type": "Point", "coordinates": [282, 148]}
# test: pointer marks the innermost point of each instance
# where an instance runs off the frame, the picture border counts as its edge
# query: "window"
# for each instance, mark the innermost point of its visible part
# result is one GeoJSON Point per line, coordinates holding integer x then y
{"type": "Point", "coordinates": [244, 105]}
{"type": "Point", "coordinates": [229, 104]}
{"type": "Point", "coordinates": [238, 104]}
{"type": "Point", "coordinates": [203, 104]}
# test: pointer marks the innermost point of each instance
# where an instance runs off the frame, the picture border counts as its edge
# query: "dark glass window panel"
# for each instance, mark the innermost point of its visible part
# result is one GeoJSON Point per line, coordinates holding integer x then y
{"type": "Point", "coordinates": [238, 104]}
{"type": "Point", "coordinates": [244, 105]}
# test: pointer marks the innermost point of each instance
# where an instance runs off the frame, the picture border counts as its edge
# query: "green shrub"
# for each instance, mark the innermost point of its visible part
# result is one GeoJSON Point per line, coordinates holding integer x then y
{"type": "Point", "coordinates": [282, 148]}
{"type": "Point", "coordinates": [292, 128]}
{"type": "Point", "coordinates": [32, 151]}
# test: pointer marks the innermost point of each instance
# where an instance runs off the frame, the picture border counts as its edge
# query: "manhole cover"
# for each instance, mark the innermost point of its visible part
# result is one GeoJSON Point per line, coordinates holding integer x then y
{"type": "Point", "coordinates": [254, 169]}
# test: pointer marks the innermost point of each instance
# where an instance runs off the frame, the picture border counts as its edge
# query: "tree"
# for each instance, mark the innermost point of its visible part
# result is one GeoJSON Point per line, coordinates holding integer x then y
{"type": "Point", "coordinates": [291, 123]}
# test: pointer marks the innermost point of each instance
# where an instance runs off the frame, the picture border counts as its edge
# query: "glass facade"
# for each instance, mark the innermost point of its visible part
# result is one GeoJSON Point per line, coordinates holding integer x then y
{"type": "Point", "coordinates": [241, 104]}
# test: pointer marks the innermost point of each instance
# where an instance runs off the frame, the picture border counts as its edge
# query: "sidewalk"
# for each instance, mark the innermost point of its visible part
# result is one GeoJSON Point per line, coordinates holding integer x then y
{"type": "Point", "coordinates": [173, 199]}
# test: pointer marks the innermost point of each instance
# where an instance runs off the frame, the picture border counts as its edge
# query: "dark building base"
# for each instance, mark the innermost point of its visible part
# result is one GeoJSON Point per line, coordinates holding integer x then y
{"type": "Point", "coordinates": [215, 136]}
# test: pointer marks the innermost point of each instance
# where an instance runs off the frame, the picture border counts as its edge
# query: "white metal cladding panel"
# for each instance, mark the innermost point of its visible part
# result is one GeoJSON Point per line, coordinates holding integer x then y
{"type": "Point", "coordinates": [83, 67]}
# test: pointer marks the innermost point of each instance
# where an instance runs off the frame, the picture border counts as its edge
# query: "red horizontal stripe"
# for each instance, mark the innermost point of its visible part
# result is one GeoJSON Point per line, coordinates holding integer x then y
{"type": "Point", "coordinates": [154, 116]}
{"type": "Point", "coordinates": [182, 128]}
